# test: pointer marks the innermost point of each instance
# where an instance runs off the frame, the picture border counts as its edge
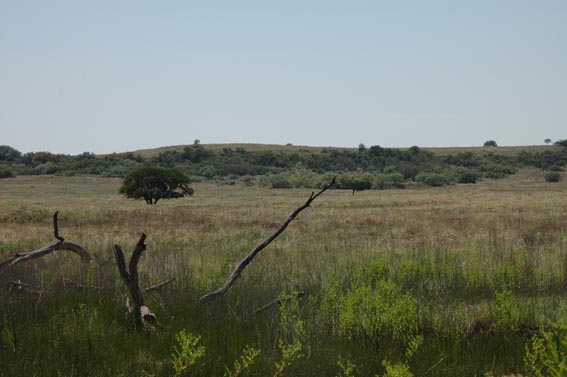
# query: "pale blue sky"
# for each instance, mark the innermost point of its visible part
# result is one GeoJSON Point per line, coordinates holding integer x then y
{"type": "Point", "coordinates": [112, 76]}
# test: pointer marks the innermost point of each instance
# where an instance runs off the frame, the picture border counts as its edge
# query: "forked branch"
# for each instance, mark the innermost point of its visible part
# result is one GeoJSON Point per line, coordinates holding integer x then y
{"type": "Point", "coordinates": [62, 244]}
{"type": "Point", "coordinates": [143, 316]}
{"type": "Point", "coordinates": [246, 261]}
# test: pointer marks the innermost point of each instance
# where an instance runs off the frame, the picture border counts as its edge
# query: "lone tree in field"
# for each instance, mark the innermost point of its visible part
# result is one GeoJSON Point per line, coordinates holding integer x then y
{"type": "Point", "coordinates": [153, 183]}
{"type": "Point", "coordinates": [490, 143]}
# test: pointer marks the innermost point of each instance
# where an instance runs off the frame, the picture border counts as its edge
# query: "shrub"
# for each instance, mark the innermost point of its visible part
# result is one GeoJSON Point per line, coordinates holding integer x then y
{"type": "Point", "coordinates": [187, 353]}
{"type": "Point", "coordinates": [507, 315]}
{"type": "Point", "coordinates": [376, 310]}
{"type": "Point", "coordinates": [552, 176]}
{"type": "Point", "coordinates": [208, 171]}
{"type": "Point", "coordinates": [546, 355]}
{"type": "Point", "coordinates": [497, 171]}
{"type": "Point", "coordinates": [6, 172]}
{"type": "Point", "coordinates": [467, 177]}
{"type": "Point", "coordinates": [280, 182]}
{"type": "Point", "coordinates": [432, 179]}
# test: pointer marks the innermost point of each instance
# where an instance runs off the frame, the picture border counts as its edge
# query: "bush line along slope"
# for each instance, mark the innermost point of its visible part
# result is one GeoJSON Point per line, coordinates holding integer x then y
{"type": "Point", "coordinates": [284, 167]}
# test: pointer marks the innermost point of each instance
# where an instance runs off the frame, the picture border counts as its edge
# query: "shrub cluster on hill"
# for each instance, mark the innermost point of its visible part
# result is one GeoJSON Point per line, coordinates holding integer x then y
{"type": "Point", "coordinates": [358, 169]}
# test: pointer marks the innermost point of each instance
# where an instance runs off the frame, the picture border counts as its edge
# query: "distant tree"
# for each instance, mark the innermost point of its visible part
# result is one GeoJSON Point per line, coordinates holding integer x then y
{"type": "Point", "coordinates": [8, 153]}
{"type": "Point", "coordinates": [561, 143]}
{"type": "Point", "coordinates": [552, 176]}
{"type": "Point", "coordinates": [361, 148]}
{"type": "Point", "coordinates": [153, 183]}
{"type": "Point", "coordinates": [360, 184]}
{"type": "Point", "coordinates": [547, 141]}
{"type": "Point", "coordinates": [490, 143]}
{"type": "Point", "coordinates": [354, 183]}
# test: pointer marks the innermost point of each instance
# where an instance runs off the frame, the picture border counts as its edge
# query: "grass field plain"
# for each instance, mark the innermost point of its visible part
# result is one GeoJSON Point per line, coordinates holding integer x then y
{"type": "Point", "coordinates": [475, 270]}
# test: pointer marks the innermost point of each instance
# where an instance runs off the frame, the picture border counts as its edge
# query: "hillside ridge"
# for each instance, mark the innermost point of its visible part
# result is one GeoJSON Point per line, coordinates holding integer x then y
{"type": "Point", "coordinates": [258, 147]}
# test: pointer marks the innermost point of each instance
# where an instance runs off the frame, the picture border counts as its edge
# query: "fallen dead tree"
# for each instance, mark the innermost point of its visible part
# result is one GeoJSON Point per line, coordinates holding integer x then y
{"type": "Point", "coordinates": [61, 244]}
{"type": "Point", "coordinates": [246, 261]}
{"type": "Point", "coordinates": [143, 316]}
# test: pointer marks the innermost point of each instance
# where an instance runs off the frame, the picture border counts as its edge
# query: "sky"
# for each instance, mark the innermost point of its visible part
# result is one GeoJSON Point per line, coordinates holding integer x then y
{"type": "Point", "coordinates": [113, 76]}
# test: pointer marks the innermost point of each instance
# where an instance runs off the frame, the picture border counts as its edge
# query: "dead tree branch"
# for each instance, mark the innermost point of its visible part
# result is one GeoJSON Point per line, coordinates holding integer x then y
{"type": "Point", "coordinates": [275, 302]}
{"type": "Point", "coordinates": [75, 284]}
{"type": "Point", "coordinates": [158, 286]}
{"type": "Point", "coordinates": [143, 316]}
{"type": "Point", "coordinates": [244, 262]}
{"type": "Point", "coordinates": [62, 244]}
{"type": "Point", "coordinates": [20, 286]}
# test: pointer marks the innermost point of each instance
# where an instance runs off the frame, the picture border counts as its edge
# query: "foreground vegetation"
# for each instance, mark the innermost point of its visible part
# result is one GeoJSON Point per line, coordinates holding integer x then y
{"type": "Point", "coordinates": [450, 281]}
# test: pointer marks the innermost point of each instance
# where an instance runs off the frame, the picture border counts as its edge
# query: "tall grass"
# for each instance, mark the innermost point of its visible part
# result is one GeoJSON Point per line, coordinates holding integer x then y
{"type": "Point", "coordinates": [475, 270]}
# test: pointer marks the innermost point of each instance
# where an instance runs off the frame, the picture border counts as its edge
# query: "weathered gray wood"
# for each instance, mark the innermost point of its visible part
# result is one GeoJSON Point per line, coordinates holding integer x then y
{"type": "Point", "coordinates": [62, 244]}
{"type": "Point", "coordinates": [143, 316]}
{"type": "Point", "coordinates": [244, 262]}
{"type": "Point", "coordinates": [158, 286]}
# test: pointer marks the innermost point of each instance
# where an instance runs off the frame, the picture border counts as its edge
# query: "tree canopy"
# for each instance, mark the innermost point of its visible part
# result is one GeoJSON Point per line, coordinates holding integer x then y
{"type": "Point", "coordinates": [153, 183]}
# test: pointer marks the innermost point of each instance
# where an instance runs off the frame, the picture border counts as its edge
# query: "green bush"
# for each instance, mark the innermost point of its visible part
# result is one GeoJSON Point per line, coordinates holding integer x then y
{"type": "Point", "coordinates": [208, 171]}
{"type": "Point", "coordinates": [432, 179]}
{"type": "Point", "coordinates": [467, 177]}
{"type": "Point", "coordinates": [552, 176]}
{"type": "Point", "coordinates": [187, 352]}
{"type": "Point", "coordinates": [376, 310]}
{"type": "Point", "coordinates": [280, 182]}
{"type": "Point", "coordinates": [6, 172]}
{"type": "Point", "coordinates": [497, 171]}
{"type": "Point", "coordinates": [546, 355]}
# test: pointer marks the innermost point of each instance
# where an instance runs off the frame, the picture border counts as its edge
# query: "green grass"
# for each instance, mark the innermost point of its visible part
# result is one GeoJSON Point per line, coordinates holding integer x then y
{"type": "Point", "coordinates": [475, 269]}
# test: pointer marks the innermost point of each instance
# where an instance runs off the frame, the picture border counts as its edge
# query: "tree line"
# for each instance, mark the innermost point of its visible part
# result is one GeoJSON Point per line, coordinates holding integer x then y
{"type": "Point", "coordinates": [364, 168]}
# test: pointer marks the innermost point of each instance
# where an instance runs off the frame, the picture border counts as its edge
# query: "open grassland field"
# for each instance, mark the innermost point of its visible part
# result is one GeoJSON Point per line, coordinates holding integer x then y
{"type": "Point", "coordinates": [473, 270]}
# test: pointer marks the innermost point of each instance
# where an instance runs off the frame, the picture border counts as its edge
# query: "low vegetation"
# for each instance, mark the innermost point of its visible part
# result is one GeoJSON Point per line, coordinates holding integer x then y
{"type": "Point", "coordinates": [293, 167]}
{"type": "Point", "coordinates": [467, 280]}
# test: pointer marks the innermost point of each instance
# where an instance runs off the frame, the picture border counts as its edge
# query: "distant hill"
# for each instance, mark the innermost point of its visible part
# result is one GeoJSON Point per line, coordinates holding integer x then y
{"type": "Point", "coordinates": [249, 147]}
{"type": "Point", "coordinates": [286, 166]}
{"type": "Point", "coordinates": [441, 151]}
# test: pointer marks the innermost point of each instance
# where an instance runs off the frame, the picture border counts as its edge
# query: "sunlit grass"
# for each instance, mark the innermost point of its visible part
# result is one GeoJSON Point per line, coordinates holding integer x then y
{"type": "Point", "coordinates": [454, 250]}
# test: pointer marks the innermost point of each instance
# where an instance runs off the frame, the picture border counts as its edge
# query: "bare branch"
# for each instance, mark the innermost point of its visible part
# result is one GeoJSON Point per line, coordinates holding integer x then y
{"type": "Point", "coordinates": [244, 262]}
{"type": "Point", "coordinates": [64, 245]}
{"type": "Point", "coordinates": [20, 287]}
{"type": "Point", "coordinates": [79, 285]}
{"type": "Point", "coordinates": [60, 245]}
{"type": "Point", "coordinates": [56, 228]}
{"type": "Point", "coordinates": [119, 255]}
{"type": "Point", "coordinates": [275, 302]}
{"type": "Point", "coordinates": [158, 286]}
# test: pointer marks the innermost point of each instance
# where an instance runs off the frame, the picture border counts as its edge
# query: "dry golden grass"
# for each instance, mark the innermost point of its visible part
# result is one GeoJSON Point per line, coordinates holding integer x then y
{"type": "Point", "coordinates": [452, 248]}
